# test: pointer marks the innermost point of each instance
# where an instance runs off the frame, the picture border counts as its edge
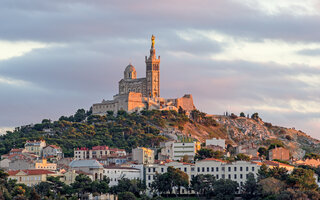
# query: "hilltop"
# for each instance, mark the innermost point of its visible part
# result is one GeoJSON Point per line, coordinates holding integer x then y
{"type": "Point", "coordinates": [149, 128]}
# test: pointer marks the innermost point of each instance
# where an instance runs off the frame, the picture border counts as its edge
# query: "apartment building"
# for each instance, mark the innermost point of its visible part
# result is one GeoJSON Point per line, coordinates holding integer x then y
{"type": "Point", "coordinates": [237, 171]}
{"type": "Point", "coordinates": [143, 155]}
{"type": "Point", "coordinates": [115, 173]}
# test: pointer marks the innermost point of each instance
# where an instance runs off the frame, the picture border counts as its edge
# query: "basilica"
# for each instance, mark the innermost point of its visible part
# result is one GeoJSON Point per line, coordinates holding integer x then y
{"type": "Point", "coordinates": [136, 94]}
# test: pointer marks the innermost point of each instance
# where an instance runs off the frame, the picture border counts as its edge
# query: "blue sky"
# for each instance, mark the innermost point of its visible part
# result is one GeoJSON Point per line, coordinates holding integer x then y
{"type": "Point", "coordinates": [232, 55]}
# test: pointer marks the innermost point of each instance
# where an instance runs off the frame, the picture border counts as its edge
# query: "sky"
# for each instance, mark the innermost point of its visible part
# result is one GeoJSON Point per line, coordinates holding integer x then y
{"type": "Point", "coordinates": [231, 55]}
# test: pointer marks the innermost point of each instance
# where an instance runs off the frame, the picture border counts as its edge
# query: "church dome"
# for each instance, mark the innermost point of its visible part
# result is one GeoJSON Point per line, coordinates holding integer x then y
{"type": "Point", "coordinates": [130, 68]}
{"type": "Point", "coordinates": [130, 72]}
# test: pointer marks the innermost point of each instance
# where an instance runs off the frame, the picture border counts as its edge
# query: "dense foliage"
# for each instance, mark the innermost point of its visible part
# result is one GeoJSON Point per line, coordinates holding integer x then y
{"type": "Point", "coordinates": [123, 130]}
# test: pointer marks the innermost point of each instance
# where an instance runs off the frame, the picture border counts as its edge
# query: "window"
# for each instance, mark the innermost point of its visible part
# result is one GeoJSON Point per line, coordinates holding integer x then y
{"type": "Point", "coordinates": [253, 169]}
{"type": "Point", "coordinates": [185, 169]}
{"type": "Point", "coordinates": [154, 169]}
{"type": "Point", "coordinates": [192, 169]}
{"type": "Point", "coordinates": [198, 169]}
{"type": "Point", "coordinates": [229, 169]}
{"type": "Point", "coordinates": [247, 175]}
{"type": "Point", "coordinates": [192, 176]}
{"type": "Point", "coordinates": [247, 168]}
{"type": "Point", "coordinates": [149, 177]}
{"type": "Point", "coordinates": [235, 176]}
{"type": "Point", "coordinates": [241, 176]}
{"type": "Point", "coordinates": [222, 168]}
{"type": "Point", "coordinates": [161, 169]}
{"type": "Point", "coordinates": [217, 176]}
{"type": "Point", "coordinates": [212, 169]}
{"type": "Point", "coordinates": [208, 169]}
{"type": "Point", "coordinates": [217, 169]}
{"type": "Point", "coordinates": [235, 169]}
{"type": "Point", "coordinates": [223, 176]}
{"type": "Point", "coordinates": [240, 169]}
{"type": "Point", "coordinates": [202, 169]}
{"type": "Point", "coordinates": [149, 170]}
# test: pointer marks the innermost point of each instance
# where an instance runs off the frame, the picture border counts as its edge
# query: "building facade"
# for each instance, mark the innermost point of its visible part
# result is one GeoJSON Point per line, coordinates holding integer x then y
{"type": "Point", "coordinates": [237, 171]}
{"type": "Point", "coordinates": [143, 155]}
{"type": "Point", "coordinates": [216, 142]}
{"type": "Point", "coordinates": [30, 177]}
{"type": "Point", "coordinates": [279, 153]}
{"type": "Point", "coordinates": [52, 151]}
{"type": "Point", "coordinates": [35, 147]}
{"type": "Point", "coordinates": [117, 173]}
{"type": "Point", "coordinates": [136, 94]}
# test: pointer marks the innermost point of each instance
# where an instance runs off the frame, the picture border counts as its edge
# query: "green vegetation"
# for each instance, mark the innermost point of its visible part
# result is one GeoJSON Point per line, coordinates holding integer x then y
{"type": "Point", "coordinates": [312, 156]}
{"type": "Point", "coordinates": [208, 153]}
{"type": "Point", "coordinates": [171, 181]}
{"type": "Point", "coordinates": [53, 188]}
{"type": "Point", "coordinates": [124, 130]}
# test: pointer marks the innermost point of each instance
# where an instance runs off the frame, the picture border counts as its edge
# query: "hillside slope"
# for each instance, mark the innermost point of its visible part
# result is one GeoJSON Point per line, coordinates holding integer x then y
{"type": "Point", "coordinates": [148, 129]}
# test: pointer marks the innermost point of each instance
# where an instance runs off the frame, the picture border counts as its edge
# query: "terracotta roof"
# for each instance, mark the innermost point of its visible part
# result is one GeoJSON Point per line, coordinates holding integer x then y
{"type": "Point", "coordinates": [214, 159]}
{"type": "Point", "coordinates": [275, 163]}
{"type": "Point", "coordinates": [54, 146]}
{"type": "Point", "coordinates": [30, 172]}
{"type": "Point", "coordinates": [16, 150]}
{"type": "Point", "coordinates": [100, 147]}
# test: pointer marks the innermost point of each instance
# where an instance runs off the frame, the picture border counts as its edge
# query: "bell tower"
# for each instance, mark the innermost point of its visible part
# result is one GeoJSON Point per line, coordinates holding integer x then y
{"type": "Point", "coordinates": [153, 72]}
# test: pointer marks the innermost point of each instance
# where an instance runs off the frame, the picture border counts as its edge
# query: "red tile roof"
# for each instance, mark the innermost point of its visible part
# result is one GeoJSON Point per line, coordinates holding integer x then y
{"type": "Point", "coordinates": [16, 150]}
{"type": "Point", "coordinates": [30, 172]}
{"type": "Point", "coordinates": [214, 159]}
{"type": "Point", "coordinates": [54, 146]}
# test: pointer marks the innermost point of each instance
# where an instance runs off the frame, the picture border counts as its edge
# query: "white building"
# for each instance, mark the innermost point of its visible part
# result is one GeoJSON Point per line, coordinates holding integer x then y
{"type": "Point", "coordinates": [117, 173]}
{"type": "Point", "coordinates": [176, 150]}
{"type": "Point", "coordinates": [216, 142]}
{"type": "Point", "coordinates": [143, 155]}
{"type": "Point", "coordinates": [237, 171]}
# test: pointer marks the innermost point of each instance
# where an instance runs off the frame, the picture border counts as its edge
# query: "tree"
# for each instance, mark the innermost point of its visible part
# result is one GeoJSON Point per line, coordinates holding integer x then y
{"type": "Point", "coordinates": [203, 184]}
{"type": "Point", "coordinates": [126, 196]}
{"type": "Point", "coordinates": [279, 173]}
{"type": "Point", "coordinates": [263, 152]}
{"type": "Point", "coordinates": [271, 186]}
{"type": "Point", "coordinates": [242, 156]}
{"type": "Point", "coordinates": [251, 189]}
{"type": "Point", "coordinates": [135, 186]}
{"type": "Point", "coordinates": [80, 115]}
{"type": "Point", "coordinates": [82, 185]}
{"type": "Point", "coordinates": [208, 153]}
{"type": "Point", "coordinates": [242, 114]}
{"type": "Point", "coordinates": [302, 179]}
{"type": "Point", "coordinates": [263, 172]}
{"type": "Point", "coordinates": [35, 195]}
{"type": "Point", "coordinates": [173, 179]}
{"type": "Point", "coordinates": [225, 189]}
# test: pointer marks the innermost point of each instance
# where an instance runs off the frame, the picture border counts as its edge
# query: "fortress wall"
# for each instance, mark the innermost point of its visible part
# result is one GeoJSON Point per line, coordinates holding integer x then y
{"type": "Point", "coordinates": [186, 103]}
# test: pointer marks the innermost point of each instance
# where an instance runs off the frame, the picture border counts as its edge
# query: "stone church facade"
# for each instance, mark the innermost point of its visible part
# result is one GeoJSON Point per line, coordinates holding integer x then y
{"type": "Point", "coordinates": [136, 94]}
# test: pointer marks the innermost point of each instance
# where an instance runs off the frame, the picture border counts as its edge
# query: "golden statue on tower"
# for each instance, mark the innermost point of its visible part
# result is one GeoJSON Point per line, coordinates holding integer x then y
{"type": "Point", "coordinates": [152, 41]}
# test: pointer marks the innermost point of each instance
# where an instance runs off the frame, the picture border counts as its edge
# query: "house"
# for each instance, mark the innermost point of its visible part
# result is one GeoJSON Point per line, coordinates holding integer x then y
{"type": "Point", "coordinates": [279, 153]}
{"type": "Point", "coordinates": [92, 167]}
{"type": "Point", "coordinates": [216, 142]}
{"type": "Point", "coordinates": [176, 150]}
{"type": "Point", "coordinates": [35, 147]}
{"type": "Point", "coordinates": [115, 173]}
{"type": "Point", "coordinates": [93, 153]}
{"type": "Point", "coordinates": [30, 177]}
{"type": "Point", "coordinates": [44, 164]}
{"type": "Point", "coordinates": [52, 151]}
{"type": "Point", "coordinates": [17, 151]}
{"type": "Point", "coordinates": [4, 163]}
{"type": "Point", "coordinates": [143, 155]}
